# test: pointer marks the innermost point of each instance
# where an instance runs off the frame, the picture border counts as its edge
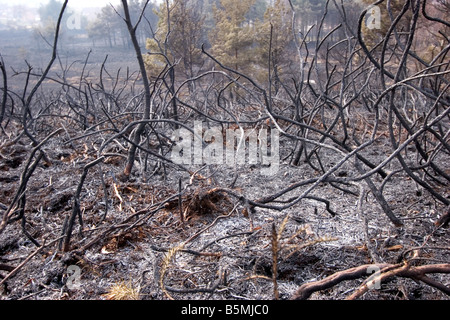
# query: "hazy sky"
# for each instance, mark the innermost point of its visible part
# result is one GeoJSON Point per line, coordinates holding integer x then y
{"type": "Point", "coordinates": [72, 3]}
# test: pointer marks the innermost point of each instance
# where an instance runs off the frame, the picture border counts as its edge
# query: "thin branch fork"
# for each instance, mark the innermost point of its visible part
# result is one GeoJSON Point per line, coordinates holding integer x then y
{"type": "Point", "coordinates": [67, 228]}
{"type": "Point", "coordinates": [23, 263]}
{"type": "Point", "coordinates": [26, 174]}
{"type": "Point", "coordinates": [146, 114]}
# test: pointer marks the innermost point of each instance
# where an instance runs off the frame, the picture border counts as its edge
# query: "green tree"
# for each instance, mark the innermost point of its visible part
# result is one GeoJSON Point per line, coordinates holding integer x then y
{"type": "Point", "coordinates": [257, 10]}
{"type": "Point", "coordinates": [107, 24]}
{"type": "Point", "coordinates": [274, 36]}
{"type": "Point", "coordinates": [135, 8]}
{"type": "Point", "coordinates": [48, 15]}
{"type": "Point", "coordinates": [309, 13]}
{"type": "Point", "coordinates": [50, 12]}
{"type": "Point", "coordinates": [233, 36]}
{"type": "Point", "coordinates": [98, 31]}
{"type": "Point", "coordinates": [388, 12]}
{"type": "Point", "coordinates": [178, 39]}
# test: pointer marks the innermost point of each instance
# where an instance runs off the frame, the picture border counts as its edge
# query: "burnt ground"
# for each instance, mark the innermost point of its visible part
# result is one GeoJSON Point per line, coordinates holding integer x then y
{"type": "Point", "coordinates": [221, 251]}
{"type": "Point", "coordinates": [132, 243]}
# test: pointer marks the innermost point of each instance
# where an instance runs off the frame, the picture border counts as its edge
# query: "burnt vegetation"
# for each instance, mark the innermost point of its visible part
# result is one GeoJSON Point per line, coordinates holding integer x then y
{"type": "Point", "coordinates": [93, 205]}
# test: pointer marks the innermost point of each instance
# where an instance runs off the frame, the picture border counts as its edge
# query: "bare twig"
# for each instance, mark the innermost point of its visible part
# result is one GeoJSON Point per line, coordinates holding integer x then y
{"type": "Point", "coordinates": [23, 263]}
{"type": "Point", "coordinates": [386, 272]}
{"type": "Point", "coordinates": [76, 205]}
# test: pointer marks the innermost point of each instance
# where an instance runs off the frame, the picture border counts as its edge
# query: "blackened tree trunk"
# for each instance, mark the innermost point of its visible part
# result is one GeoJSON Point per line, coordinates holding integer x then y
{"type": "Point", "coordinates": [146, 114]}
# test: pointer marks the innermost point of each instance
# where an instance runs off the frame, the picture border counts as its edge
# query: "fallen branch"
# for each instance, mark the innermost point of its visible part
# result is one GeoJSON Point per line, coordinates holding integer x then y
{"type": "Point", "coordinates": [386, 271]}
{"type": "Point", "coordinates": [305, 291]}
{"type": "Point", "coordinates": [407, 271]}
